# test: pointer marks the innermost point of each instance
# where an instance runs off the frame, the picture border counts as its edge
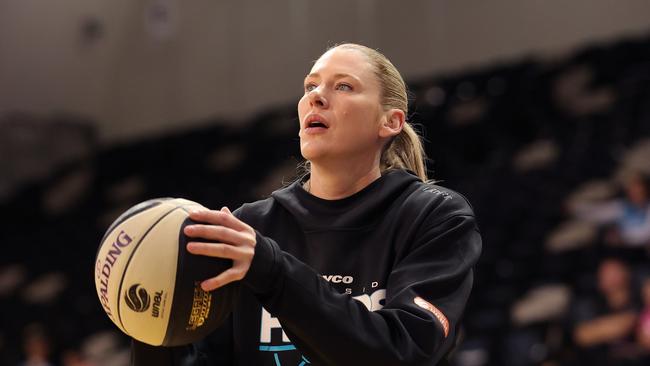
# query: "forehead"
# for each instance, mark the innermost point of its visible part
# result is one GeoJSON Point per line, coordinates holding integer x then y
{"type": "Point", "coordinates": [344, 61]}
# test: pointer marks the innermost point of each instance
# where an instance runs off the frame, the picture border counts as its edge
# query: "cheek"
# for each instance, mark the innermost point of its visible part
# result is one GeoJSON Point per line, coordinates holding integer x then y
{"type": "Point", "coordinates": [301, 104]}
{"type": "Point", "coordinates": [302, 108]}
{"type": "Point", "coordinates": [358, 131]}
{"type": "Point", "coordinates": [362, 120]}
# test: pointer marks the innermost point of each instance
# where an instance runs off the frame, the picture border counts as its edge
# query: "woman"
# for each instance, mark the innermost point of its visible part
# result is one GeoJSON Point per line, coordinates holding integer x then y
{"type": "Point", "coordinates": [360, 262]}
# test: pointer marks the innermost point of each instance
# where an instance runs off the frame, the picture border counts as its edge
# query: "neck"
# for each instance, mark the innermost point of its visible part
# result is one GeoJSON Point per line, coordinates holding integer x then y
{"type": "Point", "coordinates": [333, 184]}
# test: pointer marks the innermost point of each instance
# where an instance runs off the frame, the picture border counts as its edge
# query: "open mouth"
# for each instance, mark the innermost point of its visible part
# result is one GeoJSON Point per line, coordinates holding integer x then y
{"type": "Point", "coordinates": [316, 124]}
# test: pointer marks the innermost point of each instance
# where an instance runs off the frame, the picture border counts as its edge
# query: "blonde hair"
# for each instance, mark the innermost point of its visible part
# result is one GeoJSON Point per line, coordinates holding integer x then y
{"type": "Point", "coordinates": [404, 151]}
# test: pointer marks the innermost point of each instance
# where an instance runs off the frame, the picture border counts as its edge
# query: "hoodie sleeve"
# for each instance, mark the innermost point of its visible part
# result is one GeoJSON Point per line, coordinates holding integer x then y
{"type": "Point", "coordinates": [425, 297]}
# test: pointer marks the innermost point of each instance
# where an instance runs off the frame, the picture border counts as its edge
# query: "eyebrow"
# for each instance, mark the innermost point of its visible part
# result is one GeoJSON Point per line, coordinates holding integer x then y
{"type": "Point", "coordinates": [336, 76]}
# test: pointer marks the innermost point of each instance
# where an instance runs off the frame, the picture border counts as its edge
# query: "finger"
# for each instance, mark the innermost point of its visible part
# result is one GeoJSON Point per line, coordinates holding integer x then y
{"type": "Point", "coordinates": [230, 275]}
{"type": "Point", "coordinates": [228, 219]}
{"type": "Point", "coordinates": [216, 233]}
{"type": "Point", "coordinates": [207, 216]}
{"type": "Point", "coordinates": [219, 250]}
{"type": "Point", "coordinates": [231, 221]}
{"type": "Point", "coordinates": [219, 218]}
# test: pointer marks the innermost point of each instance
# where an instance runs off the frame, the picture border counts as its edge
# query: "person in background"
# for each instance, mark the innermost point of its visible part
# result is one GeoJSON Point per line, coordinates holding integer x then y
{"type": "Point", "coordinates": [604, 328]}
{"type": "Point", "coordinates": [72, 357]}
{"type": "Point", "coordinates": [36, 345]}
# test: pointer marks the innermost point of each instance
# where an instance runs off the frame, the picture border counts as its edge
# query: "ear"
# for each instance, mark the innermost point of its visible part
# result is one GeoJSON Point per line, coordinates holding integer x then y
{"type": "Point", "coordinates": [392, 123]}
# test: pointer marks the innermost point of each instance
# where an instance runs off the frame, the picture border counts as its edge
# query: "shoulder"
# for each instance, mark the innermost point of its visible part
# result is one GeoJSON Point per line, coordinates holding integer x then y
{"type": "Point", "coordinates": [435, 204]}
{"type": "Point", "coordinates": [438, 221]}
{"type": "Point", "coordinates": [257, 209]}
{"type": "Point", "coordinates": [267, 209]}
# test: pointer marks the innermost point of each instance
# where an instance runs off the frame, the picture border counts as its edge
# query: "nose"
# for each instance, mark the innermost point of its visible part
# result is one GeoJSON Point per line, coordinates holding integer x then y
{"type": "Point", "coordinates": [316, 98]}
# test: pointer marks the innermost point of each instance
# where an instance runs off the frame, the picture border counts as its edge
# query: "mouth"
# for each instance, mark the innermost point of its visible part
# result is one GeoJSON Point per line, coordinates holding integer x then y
{"type": "Point", "coordinates": [315, 123]}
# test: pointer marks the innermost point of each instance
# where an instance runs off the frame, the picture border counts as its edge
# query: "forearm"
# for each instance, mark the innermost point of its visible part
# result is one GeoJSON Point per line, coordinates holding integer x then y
{"type": "Point", "coordinates": [605, 329]}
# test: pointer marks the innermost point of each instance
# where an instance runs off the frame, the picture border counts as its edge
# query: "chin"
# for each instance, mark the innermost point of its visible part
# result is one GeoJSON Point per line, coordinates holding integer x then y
{"type": "Point", "coordinates": [310, 150]}
{"type": "Point", "coordinates": [309, 155]}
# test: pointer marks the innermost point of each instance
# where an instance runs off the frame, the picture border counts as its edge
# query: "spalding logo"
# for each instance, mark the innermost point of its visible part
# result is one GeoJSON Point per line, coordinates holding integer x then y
{"type": "Point", "coordinates": [137, 299]}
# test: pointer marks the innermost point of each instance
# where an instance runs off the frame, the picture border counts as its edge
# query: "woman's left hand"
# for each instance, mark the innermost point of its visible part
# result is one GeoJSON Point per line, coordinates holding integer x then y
{"type": "Point", "coordinates": [233, 238]}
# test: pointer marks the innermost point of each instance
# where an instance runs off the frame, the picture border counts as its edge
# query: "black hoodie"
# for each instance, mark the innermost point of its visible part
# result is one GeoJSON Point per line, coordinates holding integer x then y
{"type": "Point", "coordinates": [378, 278]}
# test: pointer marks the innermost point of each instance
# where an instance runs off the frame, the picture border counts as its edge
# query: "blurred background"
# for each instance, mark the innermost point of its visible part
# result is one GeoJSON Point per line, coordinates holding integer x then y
{"type": "Point", "coordinates": [537, 111]}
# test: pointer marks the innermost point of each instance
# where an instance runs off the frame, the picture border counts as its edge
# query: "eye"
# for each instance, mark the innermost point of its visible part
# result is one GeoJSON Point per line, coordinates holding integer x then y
{"type": "Point", "coordinates": [344, 87]}
{"type": "Point", "coordinates": [309, 87]}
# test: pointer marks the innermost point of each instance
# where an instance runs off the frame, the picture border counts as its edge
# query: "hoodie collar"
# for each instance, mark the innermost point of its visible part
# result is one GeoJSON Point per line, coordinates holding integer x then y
{"type": "Point", "coordinates": [358, 210]}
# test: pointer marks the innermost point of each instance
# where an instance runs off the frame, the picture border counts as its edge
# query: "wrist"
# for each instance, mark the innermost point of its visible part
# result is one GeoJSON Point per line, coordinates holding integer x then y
{"type": "Point", "coordinates": [261, 275]}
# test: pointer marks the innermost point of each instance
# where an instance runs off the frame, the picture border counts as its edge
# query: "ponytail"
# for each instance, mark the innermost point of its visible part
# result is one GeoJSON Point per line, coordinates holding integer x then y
{"type": "Point", "coordinates": [405, 151]}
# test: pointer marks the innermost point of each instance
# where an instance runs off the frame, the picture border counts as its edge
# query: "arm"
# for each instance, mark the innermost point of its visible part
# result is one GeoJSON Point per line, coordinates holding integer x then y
{"type": "Point", "coordinates": [605, 329]}
{"type": "Point", "coordinates": [333, 328]}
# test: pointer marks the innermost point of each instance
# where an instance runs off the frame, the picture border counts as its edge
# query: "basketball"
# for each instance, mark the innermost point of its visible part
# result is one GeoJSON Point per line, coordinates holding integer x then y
{"type": "Point", "coordinates": [149, 284]}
